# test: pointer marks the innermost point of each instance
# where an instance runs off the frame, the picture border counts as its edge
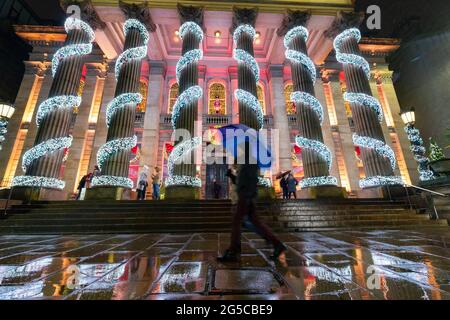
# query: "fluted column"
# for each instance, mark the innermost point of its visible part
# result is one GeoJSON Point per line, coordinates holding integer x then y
{"type": "Point", "coordinates": [250, 112]}
{"type": "Point", "coordinates": [378, 158]}
{"type": "Point", "coordinates": [316, 156]}
{"type": "Point", "coordinates": [183, 181]}
{"type": "Point", "coordinates": [113, 157]}
{"type": "Point", "coordinates": [43, 161]}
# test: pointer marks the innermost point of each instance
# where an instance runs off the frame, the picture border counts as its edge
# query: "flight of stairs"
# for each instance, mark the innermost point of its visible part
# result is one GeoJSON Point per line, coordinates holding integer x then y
{"type": "Point", "coordinates": [69, 217]}
{"type": "Point", "coordinates": [442, 204]}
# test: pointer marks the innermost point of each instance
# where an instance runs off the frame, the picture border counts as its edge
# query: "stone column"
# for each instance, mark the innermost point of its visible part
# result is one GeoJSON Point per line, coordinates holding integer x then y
{"type": "Point", "coordinates": [280, 120]}
{"type": "Point", "coordinates": [316, 156]}
{"type": "Point", "coordinates": [113, 157]}
{"type": "Point", "coordinates": [183, 181]}
{"type": "Point", "coordinates": [234, 111]}
{"type": "Point", "coordinates": [150, 135]}
{"type": "Point", "coordinates": [378, 158]}
{"type": "Point", "coordinates": [43, 161]}
{"type": "Point", "coordinates": [250, 112]}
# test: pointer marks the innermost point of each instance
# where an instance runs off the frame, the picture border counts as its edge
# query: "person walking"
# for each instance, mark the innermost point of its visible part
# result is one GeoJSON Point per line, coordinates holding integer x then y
{"type": "Point", "coordinates": [142, 186]}
{"type": "Point", "coordinates": [81, 186]}
{"type": "Point", "coordinates": [292, 186]}
{"type": "Point", "coordinates": [284, 187]}
{"type": "Point", "coordinates": [156, 183]}
{"type": "Point", "coordinates": [247, 181]}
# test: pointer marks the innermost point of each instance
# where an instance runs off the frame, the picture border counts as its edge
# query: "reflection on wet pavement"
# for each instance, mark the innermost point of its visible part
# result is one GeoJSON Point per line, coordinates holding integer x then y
{"type": "Point", "coordinates": [390, 264]}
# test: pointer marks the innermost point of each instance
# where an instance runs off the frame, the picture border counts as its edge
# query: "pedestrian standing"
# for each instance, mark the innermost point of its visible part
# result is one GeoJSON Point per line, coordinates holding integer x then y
{"type": "Point", "coordinates": [81, 186]}
{"type": "Point", "coordinates": [284, 187]}
{"type": "Point", "coordinates": [142, 186]}
{"type": "Point", "coordinates": [292, 186]}
{"type": "Point", "coordinates": [156, 183]}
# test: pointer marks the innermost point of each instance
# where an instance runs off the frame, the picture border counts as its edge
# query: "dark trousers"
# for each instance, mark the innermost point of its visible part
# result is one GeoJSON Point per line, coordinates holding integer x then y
{"type": "Point", "coordinates": [285, 193]}
{"type": "Point", "coordinates": [294, 194]}
{"type": "Point", "coordinates": [247, 207]}
{"type": "Point", "coordinates": [141, 194]}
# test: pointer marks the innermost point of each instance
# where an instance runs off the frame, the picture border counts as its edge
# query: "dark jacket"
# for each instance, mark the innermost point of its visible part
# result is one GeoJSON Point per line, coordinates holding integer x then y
{"type": "Point", "coordinates": [247, 181]}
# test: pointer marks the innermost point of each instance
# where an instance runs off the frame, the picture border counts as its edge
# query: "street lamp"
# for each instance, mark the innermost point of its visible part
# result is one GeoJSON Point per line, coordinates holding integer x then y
{"type": "Point", "coordinates": [6, 112]}
{"type": "Point", "coordinates": [417, 148]}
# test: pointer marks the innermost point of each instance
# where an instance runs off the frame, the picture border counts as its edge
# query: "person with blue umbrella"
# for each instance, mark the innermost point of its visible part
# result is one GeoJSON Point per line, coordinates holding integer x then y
{"type": "Point", "coordinates": [245, 145]}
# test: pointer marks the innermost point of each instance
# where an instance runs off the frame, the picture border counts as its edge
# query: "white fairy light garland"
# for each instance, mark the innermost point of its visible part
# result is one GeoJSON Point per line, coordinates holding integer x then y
{"type": "Point", "coordinates": [3, 130]}
{"type": "Point", "coordinates": [51, 104]}
{"type": "Point", "coordinates": [365, 100]}
{"type": "Point", "coordinates": [380, 147]}
{"type": "Point", "coordinates": [308, 100]}
{"type": "Point", "coordinates": [242, 56]}
{"type": "Point", "coordinates": [264, 182]}
{"type": "Point", "coordinates": [348, 58]}
{"type": "Point", "coordinates": [188, 96]}
{"type": "Point", "coordinates": [418, 150]}
{"type": "Point", "coordinates": [113, 146]}
{"type": "Point", "coordinates": [73, 49]}
{"type": "Point", "coordinates": [252, 102]}
{"type": "Point", "coordinates": [176, 155]}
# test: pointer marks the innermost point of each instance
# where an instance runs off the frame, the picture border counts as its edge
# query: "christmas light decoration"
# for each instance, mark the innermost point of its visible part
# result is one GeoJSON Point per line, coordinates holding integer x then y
{"type": "Point", "coordinates": [187, 97]}
{"type": "Point", "coordinates": [300, 57]}
{"type": "Point", "coordinates": [310, 101]}
{"type": "Point", "coordinates": [316, 146]}
{"type": "Point", "coordinates": [51, 104]}
{"type": "Point", "coordinates": [252, 102]}
{"type": "Point", "coordinates": [418, 150]}
{"type": "Point", "coordinates": [378, 146]}
{"type": "Point", "coordinates": [244, 28]}
{"type": "Point", "coordinates": [187, 59]}
{"type": "Point", "coordinates": [244, 57]}
{"type": "Point", "coordinates": [264, 182]}
{"type": "Point", "coordinates": [54, 103]}
{"type": "Point", "coordinates": [348, 58]}
{"type": "Point", "coordinates": [112, 181]}
{"type": "Point", "coordinates": [44, 148]}
{"type": "Point", "coordinates": [126, 143]}
{"type": "Point", "coordinates": [178, 153]}
{"type": "Point", "coordinates": [119, 102]}
{"type": "Point", "coordinates": [73, 49]}
{"type": "Point", "coordinates": [377, 181]}
{"type": "Point", "coordinates": [295, 32]}
{"type": "Point", "coordinates": [38, 182]}
{"type": "Point", "coordinates": [318, 181]}
{"type": "Point", "coordinates": [3, 130]}
{"type": "Point", "coordinates": [113, 146]}
{"type": "Point", "coordinates": [365, 100]}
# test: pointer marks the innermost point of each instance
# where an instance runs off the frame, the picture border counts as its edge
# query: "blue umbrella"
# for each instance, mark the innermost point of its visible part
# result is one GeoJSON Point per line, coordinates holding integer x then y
{"type": "Point", "coordinates": [236, 134]}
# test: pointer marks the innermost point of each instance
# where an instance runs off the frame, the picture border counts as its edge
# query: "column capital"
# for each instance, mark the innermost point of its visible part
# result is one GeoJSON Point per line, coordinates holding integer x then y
{"type": "Point", "coordinates": [38, 68]}
{"type": "Point", "coordinates": [343, 21]}
{"type": "Point", "coordinates": [97, 69]}
{"type": "Point", "coordinates": [88, 13]}
{"type": "Point", "coordinates": [293, 18]}
{"type": "Point", "coordinates": [243, 16]}
{"type": "Point", "coordinates": [190, 13]}
{"type": "Point", "coordinates": [158, 67]}
{"type": "Point", "coordinates": [139, 12]}
{"type": "Point", "coordinates": [275, 71]}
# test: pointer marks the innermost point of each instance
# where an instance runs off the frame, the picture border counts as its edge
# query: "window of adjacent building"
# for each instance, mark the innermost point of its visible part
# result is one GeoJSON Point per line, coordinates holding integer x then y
{"type": "Point", "coordinates": [173, 95]}
{"type": "Point", "coordinates": [290, 106]}
{"type": "Point", "coordinates": [261, 99]}
{"type": "Point", "coordinates": [216, 99]}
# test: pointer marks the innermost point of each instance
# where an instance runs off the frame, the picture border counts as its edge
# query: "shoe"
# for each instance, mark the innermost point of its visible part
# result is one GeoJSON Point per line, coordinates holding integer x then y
{"type": "Point", "coordinates": [278, 250]}
{"type": "Point", "coordinates": [229, 256]}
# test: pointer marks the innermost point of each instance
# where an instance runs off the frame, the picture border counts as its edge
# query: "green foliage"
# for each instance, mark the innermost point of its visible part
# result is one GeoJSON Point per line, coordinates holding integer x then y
{"type": "Point", "coordinates": [436, 152]}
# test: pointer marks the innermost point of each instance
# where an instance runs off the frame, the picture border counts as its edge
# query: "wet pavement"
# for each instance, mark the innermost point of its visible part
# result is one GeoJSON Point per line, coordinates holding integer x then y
{"type": "Point", "coordinates": [369, 265]}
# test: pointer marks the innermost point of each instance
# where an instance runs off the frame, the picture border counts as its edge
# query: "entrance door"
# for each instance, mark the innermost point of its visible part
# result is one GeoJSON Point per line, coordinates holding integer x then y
{"type": "Point", "coordinates": [217, 172]}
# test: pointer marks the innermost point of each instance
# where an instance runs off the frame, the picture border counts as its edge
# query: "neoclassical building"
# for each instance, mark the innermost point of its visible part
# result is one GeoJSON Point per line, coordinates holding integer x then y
{"type": "Point", "coordinates": [273, 65]}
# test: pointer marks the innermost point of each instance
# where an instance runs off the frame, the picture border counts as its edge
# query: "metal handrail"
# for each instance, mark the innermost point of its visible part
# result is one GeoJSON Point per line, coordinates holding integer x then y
{"type": "Point", "coordinates": [427, 190]}
{"type": "Point", "coordinates": [406, 185]}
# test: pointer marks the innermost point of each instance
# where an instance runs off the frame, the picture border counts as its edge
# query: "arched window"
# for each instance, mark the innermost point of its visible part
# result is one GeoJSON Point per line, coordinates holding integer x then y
{"type": "Point", "coordinates": [290, 106]}
{"type": "Point", "coordinates": [216, 99]}
{"type": "Point", "coordinates": [173, 95]}
{"type": "Point", "coordinates": [143, 89]}
{"type": "Point", "coordinates": [261, 99]}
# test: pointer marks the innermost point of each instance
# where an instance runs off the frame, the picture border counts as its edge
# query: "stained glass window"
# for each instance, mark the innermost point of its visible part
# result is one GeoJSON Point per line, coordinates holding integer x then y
{"type": "Point", "coordinates": [290, 106]}
{"type": "Point", "coordinates": [260, 94]}
{"type": "Point", "coordinates": [173, 95]}
{"type": "Point", "coordinates": [217, 100]}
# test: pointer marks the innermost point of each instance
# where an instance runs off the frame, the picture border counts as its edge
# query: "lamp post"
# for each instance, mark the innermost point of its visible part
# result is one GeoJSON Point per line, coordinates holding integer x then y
{"type": "Point", "coordinates": [6, 112]}
{"type": "Point", "coordinates": [417, 148]}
